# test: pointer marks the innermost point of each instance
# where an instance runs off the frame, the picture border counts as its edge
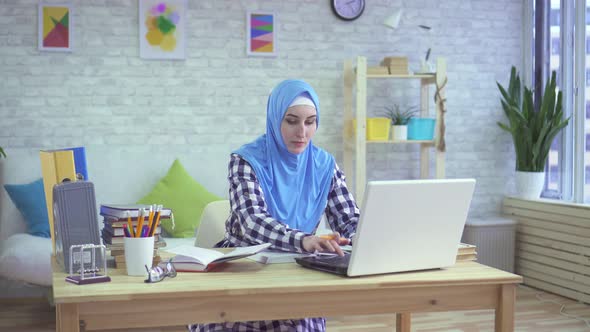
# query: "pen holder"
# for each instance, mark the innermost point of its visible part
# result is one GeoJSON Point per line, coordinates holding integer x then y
{"type": "Point", "coordinates": [139, 252]}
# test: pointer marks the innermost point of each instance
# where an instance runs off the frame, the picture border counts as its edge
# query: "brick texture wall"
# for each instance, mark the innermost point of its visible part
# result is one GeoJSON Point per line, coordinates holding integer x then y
{"type": "Point", "coordinates": [103, 94]}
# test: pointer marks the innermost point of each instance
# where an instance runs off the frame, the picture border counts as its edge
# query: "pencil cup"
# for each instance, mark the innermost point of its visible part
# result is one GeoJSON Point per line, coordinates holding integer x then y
{"type": "Point", "coordinates": [139, 252]}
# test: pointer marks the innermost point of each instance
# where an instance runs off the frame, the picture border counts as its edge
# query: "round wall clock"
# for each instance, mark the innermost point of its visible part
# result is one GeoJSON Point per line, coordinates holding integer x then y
{"type": "Point", "coordinates": [348, 10]}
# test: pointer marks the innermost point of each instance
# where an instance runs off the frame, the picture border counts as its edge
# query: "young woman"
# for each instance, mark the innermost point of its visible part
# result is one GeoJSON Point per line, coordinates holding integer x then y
{"type": "Point", "coordinates": [280, 185]}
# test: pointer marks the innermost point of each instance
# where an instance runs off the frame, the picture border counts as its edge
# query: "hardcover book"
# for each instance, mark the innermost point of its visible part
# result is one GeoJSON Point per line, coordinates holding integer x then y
{"type": "Point", "coordinates": [122, 211]}
{"type": "Point", "coordinates": [114, 231]}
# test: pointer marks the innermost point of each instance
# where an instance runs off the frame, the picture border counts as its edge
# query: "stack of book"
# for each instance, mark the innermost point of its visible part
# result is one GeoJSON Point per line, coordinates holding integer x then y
{"type": "Point", "coordinates": [116, 220]}
{"type": "Point", "coordinates": [466, 252]}
{"type": "Point", "coordinates": [396, 64]}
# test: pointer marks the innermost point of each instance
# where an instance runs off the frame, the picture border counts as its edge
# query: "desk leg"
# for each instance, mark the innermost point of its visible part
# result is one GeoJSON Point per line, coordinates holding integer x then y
{"type": "Point", "coordinates": [403, 322]}
{"type": "Point", "coordinates": [67, 319]}
{"type": "Point", "coordinates": [505, 310]}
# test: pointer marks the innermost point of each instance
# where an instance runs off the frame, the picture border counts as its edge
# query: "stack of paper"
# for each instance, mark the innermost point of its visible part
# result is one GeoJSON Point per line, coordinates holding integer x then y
{"type": "Point", "coordinates": [466, 252]}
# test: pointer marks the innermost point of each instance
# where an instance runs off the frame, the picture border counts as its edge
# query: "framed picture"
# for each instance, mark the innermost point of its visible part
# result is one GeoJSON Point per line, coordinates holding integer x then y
{"type": "Point", "coordinates": [162, 29]}
{"type": "Point", "coordinates": [55, 27]}
{"type": "Point", "coordinates": [261, 34]}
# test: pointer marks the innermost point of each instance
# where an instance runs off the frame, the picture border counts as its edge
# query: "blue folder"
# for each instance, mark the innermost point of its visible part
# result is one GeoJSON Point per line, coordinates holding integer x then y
{"type": "Point", "coordinates": [79, 160]}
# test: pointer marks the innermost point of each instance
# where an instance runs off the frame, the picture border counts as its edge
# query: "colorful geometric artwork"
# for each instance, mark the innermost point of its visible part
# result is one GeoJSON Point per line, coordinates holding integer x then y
{"type": "Point", "coordinates": [162, 29]}
{"type": "Point", "coordinates": [55, 27]}
{"type": "Point", "coordinates": [261, 34]}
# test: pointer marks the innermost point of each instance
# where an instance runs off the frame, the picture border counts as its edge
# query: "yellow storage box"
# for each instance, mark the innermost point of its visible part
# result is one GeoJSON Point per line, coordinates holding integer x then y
{"type": "Point", "coordinates": [377, 128]}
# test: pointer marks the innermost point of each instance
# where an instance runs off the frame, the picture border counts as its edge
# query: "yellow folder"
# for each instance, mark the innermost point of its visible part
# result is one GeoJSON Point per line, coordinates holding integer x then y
{"type": "Point", "coordinates": [55, 167]}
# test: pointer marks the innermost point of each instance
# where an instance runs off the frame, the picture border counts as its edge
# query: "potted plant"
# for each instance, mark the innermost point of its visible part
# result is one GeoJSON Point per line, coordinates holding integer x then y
{"type": "Point", "coordinates": [399, 120]}
{"type": "Point", "coordinates": [532, 131]}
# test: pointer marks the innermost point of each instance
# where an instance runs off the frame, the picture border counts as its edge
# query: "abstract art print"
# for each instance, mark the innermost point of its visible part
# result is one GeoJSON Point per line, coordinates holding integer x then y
{"type": "Point", "coordinates": [162, 29]}
{"type": "Point", "coordinates": [55, 27]}
{"type": "Point", "coordinates": [261, 34]}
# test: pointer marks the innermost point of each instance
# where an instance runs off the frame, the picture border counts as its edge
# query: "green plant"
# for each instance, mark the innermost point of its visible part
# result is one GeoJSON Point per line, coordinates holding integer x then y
{"type": "Point", "coordinates": [532, 131]}
{"type": "Point", "coordinates": [2, 153]}
{"type": "Point", "coordinates": [398, 116]}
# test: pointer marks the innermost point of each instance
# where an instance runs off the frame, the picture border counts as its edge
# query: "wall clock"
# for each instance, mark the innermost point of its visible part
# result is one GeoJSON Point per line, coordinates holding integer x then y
{"type": "Point", "coordinates": [348, 10]}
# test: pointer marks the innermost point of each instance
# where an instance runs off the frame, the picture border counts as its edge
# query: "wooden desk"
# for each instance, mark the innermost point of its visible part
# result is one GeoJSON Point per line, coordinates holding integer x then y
{"type": "Point", "coordinates": [244, 290]}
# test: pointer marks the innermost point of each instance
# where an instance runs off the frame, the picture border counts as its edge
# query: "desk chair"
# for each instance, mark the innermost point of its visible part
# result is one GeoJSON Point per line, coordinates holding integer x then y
{"type": "Point", "coordinates": [212, 226]}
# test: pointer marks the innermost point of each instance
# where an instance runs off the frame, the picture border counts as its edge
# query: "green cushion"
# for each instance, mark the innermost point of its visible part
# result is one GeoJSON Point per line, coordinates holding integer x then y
{"type": "Point", "coordinates": [186, 197]}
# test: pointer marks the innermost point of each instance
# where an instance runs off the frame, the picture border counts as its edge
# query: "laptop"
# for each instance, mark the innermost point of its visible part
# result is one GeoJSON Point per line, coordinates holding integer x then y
{"type": "Point", "coordinates": [405, 225]}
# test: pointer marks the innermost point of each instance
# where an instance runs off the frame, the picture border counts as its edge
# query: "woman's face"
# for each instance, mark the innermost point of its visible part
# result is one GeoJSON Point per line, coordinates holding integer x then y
{"type": "Point", "coordinates": [298, 127]}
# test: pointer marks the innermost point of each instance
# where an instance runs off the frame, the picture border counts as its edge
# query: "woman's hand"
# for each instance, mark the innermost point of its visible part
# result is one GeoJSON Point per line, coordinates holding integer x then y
{"type": "Point", "coordinates": [322, 243]}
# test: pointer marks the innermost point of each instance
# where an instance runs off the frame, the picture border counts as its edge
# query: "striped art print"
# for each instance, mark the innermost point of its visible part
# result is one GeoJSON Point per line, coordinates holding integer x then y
{"type": "Point", "coordinates": [261, 34]}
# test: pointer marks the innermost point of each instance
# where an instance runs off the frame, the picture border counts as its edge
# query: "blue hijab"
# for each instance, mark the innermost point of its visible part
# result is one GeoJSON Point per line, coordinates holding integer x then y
{"type": "Point", "coordinates": [295, 186]}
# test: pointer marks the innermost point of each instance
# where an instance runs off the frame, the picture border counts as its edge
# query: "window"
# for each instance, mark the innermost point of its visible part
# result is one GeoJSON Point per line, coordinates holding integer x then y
{"type": "Point", "coordinates": [553, 183]}
{"type": "Point", "coordinates": [586, 126]}
{"type": "Point", "coordinates": [555, 47]}
{"type": "Point", "coordinates": [568, 164]}
{"type": "Point", "coordinates": [554, 15]}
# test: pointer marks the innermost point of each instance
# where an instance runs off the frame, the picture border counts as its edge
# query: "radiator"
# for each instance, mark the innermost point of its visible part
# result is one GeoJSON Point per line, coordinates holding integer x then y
{"type": "Point", "coordinates": [552, 245]}
{"type": "Point", "coordinates": [494, 238]}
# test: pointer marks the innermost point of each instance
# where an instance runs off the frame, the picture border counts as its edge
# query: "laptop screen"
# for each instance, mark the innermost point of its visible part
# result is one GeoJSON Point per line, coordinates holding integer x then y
{"type": "Point", "coordinates": [410, 225]}
{"type": "Point", "coordinates": [404, 226]}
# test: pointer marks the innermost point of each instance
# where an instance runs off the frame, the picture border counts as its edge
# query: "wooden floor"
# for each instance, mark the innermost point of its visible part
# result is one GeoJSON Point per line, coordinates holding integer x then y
{"type": "Point", "coordinates": [536, 311]}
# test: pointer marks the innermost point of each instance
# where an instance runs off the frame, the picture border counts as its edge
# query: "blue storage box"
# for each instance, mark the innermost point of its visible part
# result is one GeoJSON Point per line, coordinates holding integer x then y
{"type": "Point", "coordinates": [421, 128]}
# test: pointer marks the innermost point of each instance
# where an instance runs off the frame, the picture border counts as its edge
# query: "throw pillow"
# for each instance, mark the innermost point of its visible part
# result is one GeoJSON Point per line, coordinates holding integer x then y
{"type": "Point", "coordinates": [184, 196]}
{"type": "Point", "coordinates": [29, 199]}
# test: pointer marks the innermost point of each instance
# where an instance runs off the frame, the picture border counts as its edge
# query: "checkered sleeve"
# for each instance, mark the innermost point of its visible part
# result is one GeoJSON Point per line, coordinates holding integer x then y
{"type": "Point", "coordinates": [250, 222]}
{"type": "Point", "coordinates": [342, 212]}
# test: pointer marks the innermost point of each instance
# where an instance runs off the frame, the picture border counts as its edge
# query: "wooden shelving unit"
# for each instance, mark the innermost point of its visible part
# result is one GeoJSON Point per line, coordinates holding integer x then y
{"type": "Point", "coordinates": [355, 146]}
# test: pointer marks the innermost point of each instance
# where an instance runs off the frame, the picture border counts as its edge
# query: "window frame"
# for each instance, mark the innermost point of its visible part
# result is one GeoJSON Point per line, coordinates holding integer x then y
{"type": "Point", "coordinates": [571, 163]}
{"type": "Point", "coordinates": [579, 115]}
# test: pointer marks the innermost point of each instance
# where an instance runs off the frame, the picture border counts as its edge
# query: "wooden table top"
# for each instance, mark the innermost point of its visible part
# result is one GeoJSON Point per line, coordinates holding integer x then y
{"type": "Point", "coordinates": [248, 277]}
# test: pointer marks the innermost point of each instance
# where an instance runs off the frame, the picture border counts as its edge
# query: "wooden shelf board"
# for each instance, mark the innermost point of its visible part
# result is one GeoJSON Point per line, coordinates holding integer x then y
{"type": "Point", "coordinates": [350, 142]}
{"type": "Point", "coordinates": [410, 141]}
{"type": "Point", "coordinates": [409, 76]}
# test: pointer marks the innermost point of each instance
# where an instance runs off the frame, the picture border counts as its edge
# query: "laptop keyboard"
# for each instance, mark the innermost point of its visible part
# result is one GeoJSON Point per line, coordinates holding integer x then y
{"type": "Point", "coordinates": [340, 261]}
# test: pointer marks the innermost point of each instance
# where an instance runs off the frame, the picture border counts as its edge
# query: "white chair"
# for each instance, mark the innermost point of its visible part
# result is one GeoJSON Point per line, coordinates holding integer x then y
{"type": "Point", "coordinates": [212, 226]}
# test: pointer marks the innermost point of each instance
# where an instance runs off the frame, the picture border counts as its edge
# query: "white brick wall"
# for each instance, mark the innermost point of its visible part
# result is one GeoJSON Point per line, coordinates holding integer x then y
{"type": "Point", "coordinates": [101, 93]}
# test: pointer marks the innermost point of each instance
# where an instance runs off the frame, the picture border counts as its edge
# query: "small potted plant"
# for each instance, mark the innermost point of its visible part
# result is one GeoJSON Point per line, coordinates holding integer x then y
{"type": "Point", "coordinates": [399, 120]}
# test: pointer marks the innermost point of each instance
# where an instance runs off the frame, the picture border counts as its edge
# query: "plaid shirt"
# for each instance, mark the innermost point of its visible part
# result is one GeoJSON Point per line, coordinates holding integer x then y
{"type": "Point", "coordinates": [250, 223]}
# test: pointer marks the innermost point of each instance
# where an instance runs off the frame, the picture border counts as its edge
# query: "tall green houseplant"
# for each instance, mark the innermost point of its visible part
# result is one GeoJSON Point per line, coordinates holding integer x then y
{"type": "Point", "coordinates": [532, 131]}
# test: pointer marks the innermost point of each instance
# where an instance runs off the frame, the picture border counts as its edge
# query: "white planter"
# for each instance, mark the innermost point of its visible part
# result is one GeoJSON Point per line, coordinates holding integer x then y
{"type": "Point", "coordinates": [400, 133]}
{"type": "Point", "coordinates": [529, 184]}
